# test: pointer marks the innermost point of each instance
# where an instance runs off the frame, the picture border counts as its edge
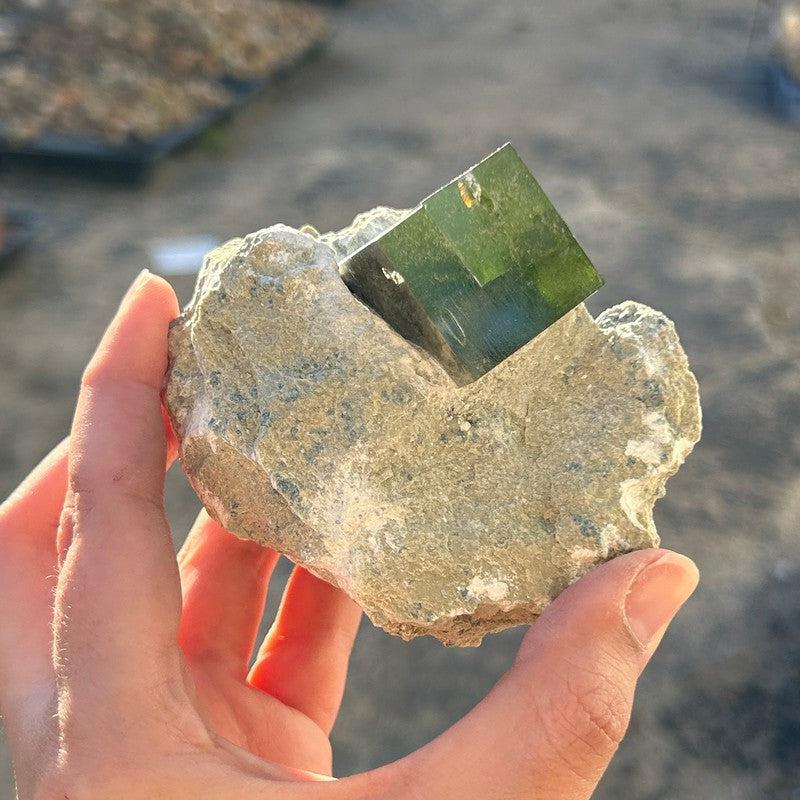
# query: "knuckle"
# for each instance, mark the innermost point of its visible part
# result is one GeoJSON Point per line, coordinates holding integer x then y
{"type": "Point", "coordinates": [92, 374]}
{"type": "Point", "coordinates": [584, 721]}
{"type": "Point", "coordinates": [599, 712]}
{"type": "Point", "coordinates": [78, 505]}
{"type": "Point", "coordinates": [98, 372]}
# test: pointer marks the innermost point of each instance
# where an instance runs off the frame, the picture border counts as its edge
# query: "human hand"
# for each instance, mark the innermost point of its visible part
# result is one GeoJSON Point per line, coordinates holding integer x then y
{"type": "Point", "coordinates": [124, 673]}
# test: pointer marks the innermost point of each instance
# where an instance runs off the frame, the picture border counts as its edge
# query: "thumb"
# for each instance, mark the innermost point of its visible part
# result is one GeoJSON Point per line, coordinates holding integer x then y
{"type": "Point", "coordinates": [552, 724]}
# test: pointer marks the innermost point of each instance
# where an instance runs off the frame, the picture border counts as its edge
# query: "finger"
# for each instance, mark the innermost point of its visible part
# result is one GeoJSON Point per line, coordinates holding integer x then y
{"type": "Point", "coordinates": [224, 581]}
{"type": "Point", "coordinates": [550, 727]}
{"type": "Point", "coordinates": [64, 533]}
{"type": "Point", "coordinates": [118, 598]}
{"type": "Point", "coordinates": [28, 522]}
{"type": "Point", "coordinates": [303, 661]}
{"type": "Point", "coordinates": [171, 438]}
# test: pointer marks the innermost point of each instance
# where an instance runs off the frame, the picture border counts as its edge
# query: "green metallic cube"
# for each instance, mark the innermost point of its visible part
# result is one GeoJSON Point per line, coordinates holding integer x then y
{"type": "Point", "coordinates": [477, 270]}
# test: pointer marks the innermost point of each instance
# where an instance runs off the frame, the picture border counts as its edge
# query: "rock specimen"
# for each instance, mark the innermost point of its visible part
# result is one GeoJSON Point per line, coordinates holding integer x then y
{"type": "Point", "coordinates": [307, 424]}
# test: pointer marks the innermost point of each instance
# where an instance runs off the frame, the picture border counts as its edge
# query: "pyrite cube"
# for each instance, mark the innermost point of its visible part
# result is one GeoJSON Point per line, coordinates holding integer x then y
{"type": "Point", "coordinates": [477, 270]}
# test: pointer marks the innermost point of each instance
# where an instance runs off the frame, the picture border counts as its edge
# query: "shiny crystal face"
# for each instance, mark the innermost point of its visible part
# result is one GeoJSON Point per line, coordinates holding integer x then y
{"type": "Point", "coordinates": [477, 270]}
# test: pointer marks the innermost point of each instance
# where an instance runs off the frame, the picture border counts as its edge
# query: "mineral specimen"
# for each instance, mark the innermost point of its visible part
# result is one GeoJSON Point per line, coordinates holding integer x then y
{"type": "Point", "coordinates": [477, 270]}
{"type": "Point", "coordinates": [309, 425]}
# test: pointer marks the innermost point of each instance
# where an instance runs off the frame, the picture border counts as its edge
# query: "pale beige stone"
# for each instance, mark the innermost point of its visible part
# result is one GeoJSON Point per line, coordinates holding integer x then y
{"type": "Point", "coordinates": [308, 425]}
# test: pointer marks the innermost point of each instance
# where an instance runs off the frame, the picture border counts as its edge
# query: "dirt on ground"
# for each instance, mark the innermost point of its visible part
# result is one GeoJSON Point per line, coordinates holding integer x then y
{"type": "Point", "coordinates": [649, 124]}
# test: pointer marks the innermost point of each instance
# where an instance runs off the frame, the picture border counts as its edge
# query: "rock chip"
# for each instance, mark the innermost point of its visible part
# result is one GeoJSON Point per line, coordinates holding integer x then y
{"type": "Point", "coordinates": [310, 426]}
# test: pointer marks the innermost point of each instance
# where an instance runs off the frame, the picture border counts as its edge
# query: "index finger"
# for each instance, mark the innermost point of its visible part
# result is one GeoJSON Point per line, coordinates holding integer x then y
{"type": "Point", "coordinates": [118, 598]}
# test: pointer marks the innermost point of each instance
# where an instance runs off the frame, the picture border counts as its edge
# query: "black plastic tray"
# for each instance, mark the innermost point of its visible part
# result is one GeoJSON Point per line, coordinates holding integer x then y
{"type": "Point", "coordinates": [18, 228]}
{"type": "Point", "coordinates": [139, 155]}
{"type": "Point", "coordinates": [133, 152]}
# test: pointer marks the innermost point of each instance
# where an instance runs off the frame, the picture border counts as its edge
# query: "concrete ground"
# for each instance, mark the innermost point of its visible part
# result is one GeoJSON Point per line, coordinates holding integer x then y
{"type": "Point", "coordinates": [648, 123]}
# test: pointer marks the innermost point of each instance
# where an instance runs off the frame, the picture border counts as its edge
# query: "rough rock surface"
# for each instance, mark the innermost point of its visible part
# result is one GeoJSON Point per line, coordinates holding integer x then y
{"type": "Point", "coordinates": [308, 425]}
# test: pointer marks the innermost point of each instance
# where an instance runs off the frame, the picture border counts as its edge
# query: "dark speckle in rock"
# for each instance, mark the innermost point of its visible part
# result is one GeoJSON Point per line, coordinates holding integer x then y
{"type": "Point", "coordinates": [652, 395]}
{"type": "Point", "coordinates": [316, 371]}
{"type": "Point", "coordinates": [287, 488]}
{"type": "Point", "coordinates": [311, 453]}
{"type": "Point", "coordinates": [400, 394]}
{"type": "Point", "coordinates": [587, 526]}
{"type": "Point", "coordinates": [619, 349]}
{"type": "Point", "coordinates": [353, 427]}
{"type": "Point", "coordinates": [271, 283]}
{"type": "Point", "coordinates": [549, 527]}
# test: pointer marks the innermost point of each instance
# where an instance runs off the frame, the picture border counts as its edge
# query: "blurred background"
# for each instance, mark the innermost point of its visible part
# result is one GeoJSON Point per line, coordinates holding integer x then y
{"type": "Point", "coordinates": [665, 131]}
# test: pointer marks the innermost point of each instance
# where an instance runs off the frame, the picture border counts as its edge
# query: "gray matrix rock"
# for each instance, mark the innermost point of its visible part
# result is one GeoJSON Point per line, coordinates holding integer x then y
{"type": "Point", "coordinates": [310, 426]}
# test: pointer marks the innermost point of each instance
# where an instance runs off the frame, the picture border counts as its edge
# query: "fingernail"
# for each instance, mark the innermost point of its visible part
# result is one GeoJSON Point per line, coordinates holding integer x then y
{"type": "Point", "coordinates": [140, 279]}
{"type": "Point", "coordinates": [657, 593]}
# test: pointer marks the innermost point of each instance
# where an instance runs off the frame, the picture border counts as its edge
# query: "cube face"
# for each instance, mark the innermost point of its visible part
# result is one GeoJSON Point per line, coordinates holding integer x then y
{"type": "Point", "coordinates": [477, 270]}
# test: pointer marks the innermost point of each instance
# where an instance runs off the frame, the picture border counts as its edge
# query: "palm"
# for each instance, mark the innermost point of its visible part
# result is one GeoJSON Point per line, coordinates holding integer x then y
{"type": "Point", "coordinates": [260, 723]}
{"type": "Point", "coordinates": [281, 709]}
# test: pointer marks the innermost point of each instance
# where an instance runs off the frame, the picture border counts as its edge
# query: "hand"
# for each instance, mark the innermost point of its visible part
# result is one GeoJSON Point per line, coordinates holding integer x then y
{"type": "Point", "coordinates": [124, 674]}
